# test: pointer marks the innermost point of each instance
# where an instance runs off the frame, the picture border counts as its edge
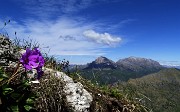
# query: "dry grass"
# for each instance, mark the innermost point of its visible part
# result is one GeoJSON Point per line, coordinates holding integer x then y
{"type": "Point", "coordinates": [51, 97]}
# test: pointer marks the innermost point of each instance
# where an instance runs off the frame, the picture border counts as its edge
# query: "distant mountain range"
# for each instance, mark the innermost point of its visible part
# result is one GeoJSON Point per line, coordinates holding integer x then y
{"type": "Point", "coordinates": [131, 64]}
{"type": "Point", "coordinates": [106, 71]}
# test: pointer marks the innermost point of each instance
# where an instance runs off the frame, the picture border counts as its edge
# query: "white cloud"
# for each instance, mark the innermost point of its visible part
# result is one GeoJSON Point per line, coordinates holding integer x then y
{"type": "Point", "coordinates": [63, 36]}
{"type": "Point", "coordinates": [102, 38]}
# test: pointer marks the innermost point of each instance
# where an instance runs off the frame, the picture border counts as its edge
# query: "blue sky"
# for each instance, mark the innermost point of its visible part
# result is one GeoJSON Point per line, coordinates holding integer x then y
{"type": "Point", "coordinates": [82, 30]}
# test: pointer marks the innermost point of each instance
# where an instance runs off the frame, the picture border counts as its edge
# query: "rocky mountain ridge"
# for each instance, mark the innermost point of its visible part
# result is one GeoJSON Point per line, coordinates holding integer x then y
{"type": "Point", "coordinates": [136, 63]}
{"type": "Point", "coordinates": [130, 63]}
{"type": "Point", "coordinates": [105, 71]}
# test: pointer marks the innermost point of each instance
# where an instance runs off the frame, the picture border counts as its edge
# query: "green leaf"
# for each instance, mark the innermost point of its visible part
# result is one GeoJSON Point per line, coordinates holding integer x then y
{"type": "Point", "coordinates": [26, 83]}
{"type": "Point", "coordinates": [1, 79]}
{"type": "Point", "coordinates": [15, 108]}
{"type": "Point", "coordinates": [15, 95]}
{"type": "Point", "coordinates": [27, 107]}
{"type": "Point", "coordinates": [7, 90]}
{"type": "Point", "coordinates": [1, 71]}
{"type": "Point", "coordinates": [29, 101]}
{"type": "Point", "coordinates": [3, 75]}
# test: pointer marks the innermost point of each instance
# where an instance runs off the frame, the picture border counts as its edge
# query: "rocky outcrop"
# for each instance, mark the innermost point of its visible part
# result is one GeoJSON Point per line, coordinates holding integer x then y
{"type": "Point", "coordinates": [8, 53]}
{"type": "Point", "coordinates": [77, 97]}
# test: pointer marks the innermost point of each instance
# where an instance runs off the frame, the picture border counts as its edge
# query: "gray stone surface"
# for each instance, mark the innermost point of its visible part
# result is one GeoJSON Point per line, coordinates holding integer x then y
{"type": "Point", "coordinates": [7, 51]}
{"type": "Point", "coordinates": [77, 97]}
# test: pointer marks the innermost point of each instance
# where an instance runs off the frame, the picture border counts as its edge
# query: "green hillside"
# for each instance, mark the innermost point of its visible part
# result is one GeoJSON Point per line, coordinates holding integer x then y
{"type": "Point", "coordinates": [159, 91]}
{"type": "Point", "coordinates": [110, 76]}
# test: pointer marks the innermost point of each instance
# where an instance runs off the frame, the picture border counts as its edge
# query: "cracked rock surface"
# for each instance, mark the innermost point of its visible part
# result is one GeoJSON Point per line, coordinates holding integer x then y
{"type": "Point", "coordinates": [8, 53]}
{"type": "Point", "coordinates": [77, 97]}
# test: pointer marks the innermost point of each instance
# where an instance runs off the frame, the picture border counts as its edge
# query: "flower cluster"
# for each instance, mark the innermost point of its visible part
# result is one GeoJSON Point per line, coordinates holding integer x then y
{"type": "Point", "coordinates": [33, 59]}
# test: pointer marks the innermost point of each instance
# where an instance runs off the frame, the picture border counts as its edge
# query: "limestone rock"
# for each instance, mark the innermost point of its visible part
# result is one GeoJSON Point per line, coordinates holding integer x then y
{"type": "Point", "coordinates": [77, 97]}
{"type": "Point", "coordinates": [8, 52]}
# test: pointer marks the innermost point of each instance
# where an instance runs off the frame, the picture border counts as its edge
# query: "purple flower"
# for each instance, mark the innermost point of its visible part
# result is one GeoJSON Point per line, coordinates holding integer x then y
{"type": "Point", "coordinates": [33, 59]}
{"type": "Point", "coordinates": [40, 73]}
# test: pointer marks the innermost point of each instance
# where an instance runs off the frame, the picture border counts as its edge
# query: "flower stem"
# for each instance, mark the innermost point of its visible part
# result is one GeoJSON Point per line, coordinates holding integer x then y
{"type": "Point", "coordinates": [14, 74]}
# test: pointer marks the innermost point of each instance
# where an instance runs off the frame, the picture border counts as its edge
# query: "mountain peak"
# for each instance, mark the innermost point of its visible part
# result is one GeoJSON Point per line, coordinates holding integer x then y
{"type": "Point", "coordinates": [137, 63]}
{"type": "Point", "coordinates": [102, 62]}
{"type": "Point", "coordinates": [102, 59]}
{"type": "Point", "coordinates": [133, 57]}
{"type": "Point", "coordinates": [137, 58]}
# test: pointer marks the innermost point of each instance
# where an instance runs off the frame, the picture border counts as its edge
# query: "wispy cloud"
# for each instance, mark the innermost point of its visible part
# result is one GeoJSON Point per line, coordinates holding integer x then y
{"type": "Point", "coordinates": [53, 8]}
{"type": "Point", "coordinates": [102, 38]}
{"type": "Point", "coordinates": [63, 36]}
{"type": "Point", "coordinates": [49, 8]}
{"type": "Point", "coordinates": [119, 24]}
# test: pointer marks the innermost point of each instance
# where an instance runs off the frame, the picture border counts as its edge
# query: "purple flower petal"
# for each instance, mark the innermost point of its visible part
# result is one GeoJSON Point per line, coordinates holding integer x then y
{"type": "Point", "coordinates": [40, 73]}
{"type": "Point", "coordinates": [33, 58]}
{"type": "Point", "coordinates": [41, 61]}
{"type": "Point", "coordinates": [33, 64]}
{"type": "Point", "coordinates": [27, 67]}
{"type": "Point", "coordinates": [21, 60]}
{"type": "Point", "coordinates": [28, 52]}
